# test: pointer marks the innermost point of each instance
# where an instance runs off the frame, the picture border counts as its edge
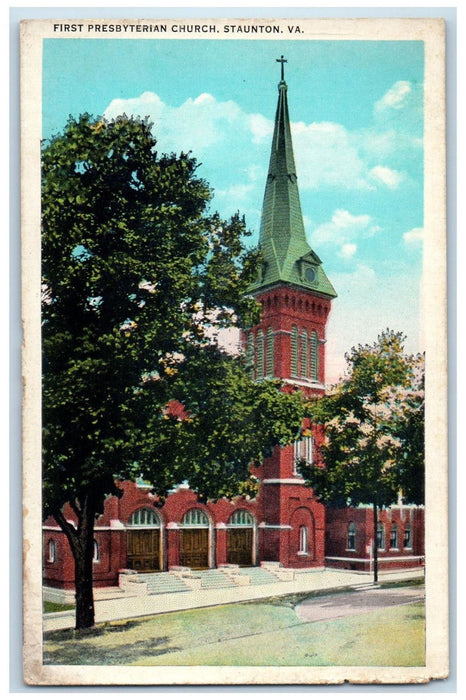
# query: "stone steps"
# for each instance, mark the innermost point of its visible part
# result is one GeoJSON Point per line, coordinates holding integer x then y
{"type": "Point", "coordinates": [186, 579]}
{"type": "Point", "coordinates": [163, 582]}
{"type": "Point", "coordinates": [259, 576]}
{"type": "Point", "coordinates": [215, 578]}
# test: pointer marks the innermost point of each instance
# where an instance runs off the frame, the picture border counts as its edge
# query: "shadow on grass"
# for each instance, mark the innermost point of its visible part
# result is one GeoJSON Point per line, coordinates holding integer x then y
{"type": "Point", "coordinates": [67, 634]}
{"type": "Point", "coordinates": [103, 655]}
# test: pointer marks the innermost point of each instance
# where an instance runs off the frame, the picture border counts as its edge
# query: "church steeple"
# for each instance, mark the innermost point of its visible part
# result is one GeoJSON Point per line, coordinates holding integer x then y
{"type": "Point", "coordinates": [287, 257]}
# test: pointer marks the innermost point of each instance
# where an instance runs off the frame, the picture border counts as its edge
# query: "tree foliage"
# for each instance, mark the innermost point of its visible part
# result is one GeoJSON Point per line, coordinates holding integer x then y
{"type": "Point", "coordinates": [229, 422]}
{"type": "Point", "coordinates": [374, 428]}
{"type": "Point", "coordinates": [136, 275]}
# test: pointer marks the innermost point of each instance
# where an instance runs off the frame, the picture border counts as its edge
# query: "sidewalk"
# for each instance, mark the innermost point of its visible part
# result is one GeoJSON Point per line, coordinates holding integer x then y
{"type": "Point", "coordinates": [119, 608]}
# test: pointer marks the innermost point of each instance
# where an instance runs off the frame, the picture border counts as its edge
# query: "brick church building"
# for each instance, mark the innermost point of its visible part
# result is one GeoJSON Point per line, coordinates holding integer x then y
{"type": "Point", "coordinates": [285, 523]}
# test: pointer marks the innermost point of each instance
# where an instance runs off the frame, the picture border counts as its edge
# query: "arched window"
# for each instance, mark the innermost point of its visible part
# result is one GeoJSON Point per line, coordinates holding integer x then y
{"type": "Point", "coordinates": [407, 540]}
{"type": "Point", "coordinates": [144, 517]}
{"type": "Point", "coordinates": [394, 537]}
{"type": "Point", "coordinates": [96, 557]}
{"type": "Point", "coordinates": [303, 449]}
{"type": "Point", "coordinates": [51, 552]}
{"type": "Point", "coordinates": [195, 518]}
{"type": "Point", "coordinates": [294, 351]}
{"type": "Point", "coordinates": [270, 353]}
{"type": "Point", "coordinates": [308, 446]}
{"type": "Point", "coordinates": [303, 540]}
{"type": "Point", "coordinates": [380, 536]}
{"type": "Point", "coordinates": [314, 356]}
{"type": "Point", "coordinates": [351, 543]}
{"type": "Point", "coordinates": [304, 355]}
{"type": "Point", "coordinates": [241, 517]}
{"type": "Point", "coordinates": [260, 355]}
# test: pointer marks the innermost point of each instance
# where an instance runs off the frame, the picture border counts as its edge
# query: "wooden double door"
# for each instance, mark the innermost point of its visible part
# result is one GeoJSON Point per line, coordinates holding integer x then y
{"type": "Point", "coordinates": [143, 550]}
{"type": "Point", "coordinates": [194, 548]}
{"type": "Point", "coordinates": [240, 546]}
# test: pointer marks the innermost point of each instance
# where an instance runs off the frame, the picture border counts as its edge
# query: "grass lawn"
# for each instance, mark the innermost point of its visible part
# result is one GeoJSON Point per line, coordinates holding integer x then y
{"type": "Point", "coordinates": [49, 607]}
{"type": "Point", "coordinates": [250, 634]}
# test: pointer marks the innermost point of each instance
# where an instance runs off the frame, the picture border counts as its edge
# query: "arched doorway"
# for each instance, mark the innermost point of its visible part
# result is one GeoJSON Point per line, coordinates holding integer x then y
{"type": "Point", "coordinates": [194, 539]}
{"type": "Point", "coordinates": [240, 538]}
{"type": "Point", "coordinates": [143, 541]}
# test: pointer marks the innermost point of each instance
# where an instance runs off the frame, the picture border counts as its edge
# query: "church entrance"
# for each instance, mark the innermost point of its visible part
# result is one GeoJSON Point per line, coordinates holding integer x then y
{"type": "Point", "coordinates": [194, 540]}
{"type": "Point", "coordinates": [142, 550]}
{"type": "Point", "coordinates": [240, 539]}
{"type": "Point", "coordinates": [143, 541]}
{"type": "Point", "coordinates": [239, 547]}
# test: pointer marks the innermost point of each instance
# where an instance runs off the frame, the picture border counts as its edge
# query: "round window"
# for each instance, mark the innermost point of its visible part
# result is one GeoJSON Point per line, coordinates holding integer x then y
{"type": "Point", "coordinates": [310, 274]}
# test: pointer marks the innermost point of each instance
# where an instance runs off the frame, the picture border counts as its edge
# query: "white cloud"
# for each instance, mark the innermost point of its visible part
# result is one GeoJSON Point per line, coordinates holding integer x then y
{"type": "Point", "coordinates": [343, 228]}
{"type": "Point", "coordinates": [387, 176]}
{"type": "Point", "coordinates": [261, 128]}
{"type": "Point", "coordinates": [238, 191]}
{"type": "Point", "coordinates": [256, 173]}
{"type": "Point", "coordinates": [395, 97]}
{"type": "Point", "coordinates": [198, 124]}
{"type": "Point", "coordinates": [414, 237]}
{"type": "Point", "coordinates": [327, 156]}
{"type": "Point", "coordinates": [348, 250]}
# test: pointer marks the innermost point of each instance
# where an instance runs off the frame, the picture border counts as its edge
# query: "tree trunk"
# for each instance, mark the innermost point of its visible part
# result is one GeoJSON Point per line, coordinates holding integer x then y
{"type": "Point", "coordinates": [374, 537]}
{"type": "Point", "coordinates": [84, 593]}
{"type": "Point", "coordinates": [81, 540]}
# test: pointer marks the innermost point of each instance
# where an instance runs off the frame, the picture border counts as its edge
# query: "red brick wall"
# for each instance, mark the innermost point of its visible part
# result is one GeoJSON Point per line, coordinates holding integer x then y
{"type": "Point", "coordinates": [338, 521]}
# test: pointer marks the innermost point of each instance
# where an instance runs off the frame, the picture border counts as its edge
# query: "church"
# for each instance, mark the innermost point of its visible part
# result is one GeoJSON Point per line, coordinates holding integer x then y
{"type": "Point", "coordinates": [285, 526]}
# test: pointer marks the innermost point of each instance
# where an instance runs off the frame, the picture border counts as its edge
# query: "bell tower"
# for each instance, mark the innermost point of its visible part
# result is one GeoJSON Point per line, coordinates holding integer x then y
{"type": "Point", "coordinates": [289, 344]}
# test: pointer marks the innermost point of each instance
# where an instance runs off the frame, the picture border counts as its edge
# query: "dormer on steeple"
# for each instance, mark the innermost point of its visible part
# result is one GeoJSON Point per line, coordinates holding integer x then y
{"type": "Point", "coordinates": [287, 256]}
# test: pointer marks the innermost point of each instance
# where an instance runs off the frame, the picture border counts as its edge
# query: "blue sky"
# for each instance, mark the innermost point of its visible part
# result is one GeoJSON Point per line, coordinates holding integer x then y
{"type": "Point", "coordinates": [357, 122]}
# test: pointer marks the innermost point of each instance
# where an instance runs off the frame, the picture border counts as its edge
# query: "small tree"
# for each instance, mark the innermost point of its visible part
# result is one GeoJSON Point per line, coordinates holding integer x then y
{"type": "Point", "coordinates": [135, 271]}
{"type": "Point", "coordinates": [374, 428]}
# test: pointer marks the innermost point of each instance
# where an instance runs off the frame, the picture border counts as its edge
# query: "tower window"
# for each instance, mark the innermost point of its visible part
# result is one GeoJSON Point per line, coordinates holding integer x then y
{"type": "Point", "coordinates": [304, 355]}
{"type": "Point", "coordinates": [314, 356]}
{"type": "Point", "coordinates": [250, 354]}
{"type": "Point", "coordinates": [260, 355]}
{"type": "Point", "coordinates": [351, 542]}
{"type": "Point", "coordinates": [294, 351]}
{"type": "Point", "coordinates": [270, 353]}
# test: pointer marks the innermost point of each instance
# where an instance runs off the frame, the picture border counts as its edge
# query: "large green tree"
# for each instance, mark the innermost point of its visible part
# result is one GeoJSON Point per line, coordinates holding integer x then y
{"type": "Point", "coordinates": [137, 276]}
{"type": "Point", "coordinates": [374, 431]}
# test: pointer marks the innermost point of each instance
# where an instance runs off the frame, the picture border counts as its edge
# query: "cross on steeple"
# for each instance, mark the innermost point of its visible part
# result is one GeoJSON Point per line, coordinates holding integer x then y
{"type": "Point", "coordinates": [282, 61]}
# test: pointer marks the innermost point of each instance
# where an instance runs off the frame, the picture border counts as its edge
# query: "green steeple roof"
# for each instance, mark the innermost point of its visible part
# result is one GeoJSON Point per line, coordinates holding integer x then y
{"type": "Point", "coordinates": [287, 257]}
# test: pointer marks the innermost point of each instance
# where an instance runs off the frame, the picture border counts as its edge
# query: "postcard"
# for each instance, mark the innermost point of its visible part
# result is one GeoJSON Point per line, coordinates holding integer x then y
{"type": "Point", "coordinates": [234, 361]}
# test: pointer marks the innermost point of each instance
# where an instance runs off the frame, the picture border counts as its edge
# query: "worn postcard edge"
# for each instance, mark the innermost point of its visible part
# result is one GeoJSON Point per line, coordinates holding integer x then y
{"type": "Point", "coordinates": [431, 31]}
